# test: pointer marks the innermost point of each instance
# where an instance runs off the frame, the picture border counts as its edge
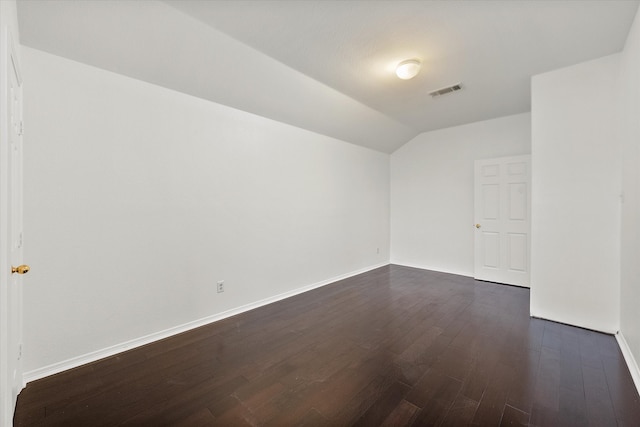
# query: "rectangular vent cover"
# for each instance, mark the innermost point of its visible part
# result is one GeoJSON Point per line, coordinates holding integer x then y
{"type": "Point", "coordinates": [446, 90]}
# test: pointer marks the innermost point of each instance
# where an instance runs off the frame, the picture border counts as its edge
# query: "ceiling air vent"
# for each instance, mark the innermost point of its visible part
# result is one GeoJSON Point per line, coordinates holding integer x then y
{"type": "Point", "coordinates": [446, 90]}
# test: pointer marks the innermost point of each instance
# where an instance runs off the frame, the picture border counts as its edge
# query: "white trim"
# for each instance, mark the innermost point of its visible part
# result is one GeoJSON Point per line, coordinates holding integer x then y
{"type": "Point", "coordinates": [631, 361]}
{"type": "Point", "coordinates": [564, 322]}
{"type": "Point", "coordinates": [438, 270]}
{"type": "Point", "coordinates": [147, 339]}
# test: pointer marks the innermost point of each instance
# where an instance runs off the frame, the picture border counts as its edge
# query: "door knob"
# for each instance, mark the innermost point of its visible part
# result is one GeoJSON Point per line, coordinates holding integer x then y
{"type": "Point", "coordinates": [478, 226]}
{"type": "Point", "coordinates": [21, 269]}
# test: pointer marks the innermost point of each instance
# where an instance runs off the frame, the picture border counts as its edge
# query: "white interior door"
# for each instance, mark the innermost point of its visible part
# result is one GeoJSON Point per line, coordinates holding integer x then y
{"type": "Point", "coordinates": [502, 205]}
{"type": "Point", "coordinates": [11, 380]}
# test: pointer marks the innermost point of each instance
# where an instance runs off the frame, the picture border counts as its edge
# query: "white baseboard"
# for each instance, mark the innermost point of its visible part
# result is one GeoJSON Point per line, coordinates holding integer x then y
{"type": "Point", "coordinates": [631, 361]}
{"type": "Point", "coordinates": [574, 324]}
{"type": "Point", "coordinates": [436, 269]}
{"type": "Point", "coordinates": [147, 339]}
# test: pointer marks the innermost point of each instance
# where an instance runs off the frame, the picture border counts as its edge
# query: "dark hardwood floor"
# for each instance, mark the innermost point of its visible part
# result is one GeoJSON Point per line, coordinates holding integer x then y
{"type": "Point", "coordinates": [395, 346]}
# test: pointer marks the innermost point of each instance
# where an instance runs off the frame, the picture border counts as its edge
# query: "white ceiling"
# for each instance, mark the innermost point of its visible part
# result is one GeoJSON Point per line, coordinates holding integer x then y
{"type": "Point", "coordinates": [327, 66]}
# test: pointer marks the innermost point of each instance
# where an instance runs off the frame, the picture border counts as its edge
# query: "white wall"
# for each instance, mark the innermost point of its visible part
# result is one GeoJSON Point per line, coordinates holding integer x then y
{"type": "Point", "coordinates": [138, 199]}
{"type": "Point", "coordinates": [208, 65]}
{"type": "Point", "coordinates": [630, 235]}
{"type": "Point", "coordinates": [576, 189]}
{"type": "Point", "coordinates": [432, 190]}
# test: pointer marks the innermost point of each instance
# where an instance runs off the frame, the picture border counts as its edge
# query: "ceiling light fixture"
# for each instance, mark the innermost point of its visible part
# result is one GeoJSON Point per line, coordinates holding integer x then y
{"type": "Point", "coordinates": [408, 69]}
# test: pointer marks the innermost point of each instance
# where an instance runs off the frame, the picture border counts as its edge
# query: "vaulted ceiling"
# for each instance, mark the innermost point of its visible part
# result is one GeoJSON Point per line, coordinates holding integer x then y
{"type": "Point", "coordinates": [328, 66]}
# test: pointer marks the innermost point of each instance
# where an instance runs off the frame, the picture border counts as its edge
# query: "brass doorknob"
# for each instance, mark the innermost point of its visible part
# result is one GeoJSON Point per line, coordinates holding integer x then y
{"type": "Point", "coordinates": [21, 269]}
{"type": "Point", "coordinates": [478, 226]}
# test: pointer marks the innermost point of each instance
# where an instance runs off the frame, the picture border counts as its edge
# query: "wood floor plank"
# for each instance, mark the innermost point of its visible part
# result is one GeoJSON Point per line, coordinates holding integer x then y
{"type": "Point", "coordinates": [347, 384]}
{"type": "Point", "coordinates": [514, 417]}
{"type": "Point", "coordinates": [434, 394]}
{"type": "Point", "coordinates": [541, 416]}
{"type": "Point", "coordinates": [364, 399]}
{"type": "Point", "coordinates": [189, 401]}
{"type": "Point", "coordinates": [571, 377]}
{"type": "Point", "coordinates": [313, 419]}
{"type": "Point", "coordinates": [524, 370]}
{"type": "Point", "coordinates": [461, 412]}
{"type": "Point", "coordinates": [491, 405]}
{"type": "Point", "coordinates": [547, 388]}
{"type": "Point", "coordinates": [482, 373]}
{"type": "Point", "coordinates": [396, 346]}
{"type": "Point", "coordinates": [600, 410]}
{"type": "Point", "coordinates": [432, 386]}
{"type": "Point", "coordinates": [403, 415]}
{"type": "Point", "coordinates": [202, 418]}
{"type": "Point", "coordinates": [572, 410]}
{"type": "Point", "coordinates": [624, 395]}
{"type": "Point", "coordinates": [383, 406]}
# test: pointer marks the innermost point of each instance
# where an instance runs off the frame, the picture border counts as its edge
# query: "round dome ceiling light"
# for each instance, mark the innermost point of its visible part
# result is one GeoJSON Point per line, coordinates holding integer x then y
{"type": "Point", "coordinates": [408, 69]}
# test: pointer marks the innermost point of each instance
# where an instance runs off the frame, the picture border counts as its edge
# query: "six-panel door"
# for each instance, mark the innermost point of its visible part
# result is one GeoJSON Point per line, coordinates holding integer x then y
{"type": "Point", "coordinates": [502, 205]}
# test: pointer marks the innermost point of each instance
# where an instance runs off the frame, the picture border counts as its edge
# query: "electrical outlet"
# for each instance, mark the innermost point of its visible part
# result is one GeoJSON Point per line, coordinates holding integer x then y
{"type": "Point", "coordinates": [220, 286]}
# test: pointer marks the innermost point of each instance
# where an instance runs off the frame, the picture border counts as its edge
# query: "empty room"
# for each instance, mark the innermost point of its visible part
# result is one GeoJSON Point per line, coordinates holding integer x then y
{"type": "Point", "coordinates": [319, 213]}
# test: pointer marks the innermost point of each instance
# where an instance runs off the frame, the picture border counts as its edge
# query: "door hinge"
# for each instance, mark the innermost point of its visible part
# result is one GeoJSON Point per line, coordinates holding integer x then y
{"type": "Point", "coordinates": [20, 351]}
{"type": "Point", "coordinates": [21, 128]}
